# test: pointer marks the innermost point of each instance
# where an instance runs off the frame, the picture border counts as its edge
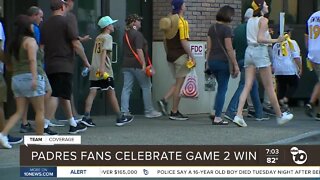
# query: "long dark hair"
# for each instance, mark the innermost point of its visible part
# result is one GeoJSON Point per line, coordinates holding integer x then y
{"type": "Point", "coordinates": [22, 28]}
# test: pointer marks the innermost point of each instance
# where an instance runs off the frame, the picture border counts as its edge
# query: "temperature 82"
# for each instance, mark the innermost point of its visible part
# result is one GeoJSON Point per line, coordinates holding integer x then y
{"type": "Point", "coordinates": [272, 160]}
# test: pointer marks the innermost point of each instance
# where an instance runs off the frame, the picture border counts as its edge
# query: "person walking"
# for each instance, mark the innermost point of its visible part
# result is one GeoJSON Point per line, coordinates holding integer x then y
{"type": "Point", "coordinates": [36, 16]}
{"type": "Point", "coordinates": [3, 89]}
{"type": "Point", "coordinates": [135, 48]}
{"type": "Point", "coordinates": [101, 64]}
{"type": "Point", "coordinates": [240, 44]}
{"type": "Point", "coordinates": [257, 57]}
{"type": "Point", "coordinates": [178, 53]}
{"type": "Point", "coordinates": [60, 41]}
{"type": "Point", "coordinates": [221, 59]}
{"type": "Point", "coordinates": [287, 67]}
{"type": "Point", "coordinates": [27, 82]}
{"type": "Point", "coordinates": [312, 41]}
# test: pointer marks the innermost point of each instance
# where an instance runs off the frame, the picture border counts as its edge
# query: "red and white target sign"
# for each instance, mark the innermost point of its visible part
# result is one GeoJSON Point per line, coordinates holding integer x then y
{"type": "Point", "coordinates": [189, 88]}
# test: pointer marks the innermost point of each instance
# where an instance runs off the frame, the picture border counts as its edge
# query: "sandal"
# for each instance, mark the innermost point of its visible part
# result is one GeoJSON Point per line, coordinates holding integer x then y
{"type": "Point", "coordinates": [222, 122]}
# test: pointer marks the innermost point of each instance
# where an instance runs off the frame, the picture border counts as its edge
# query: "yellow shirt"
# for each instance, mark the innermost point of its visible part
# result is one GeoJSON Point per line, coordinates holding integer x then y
{"type": "Point", "coordinates": [183, 28]}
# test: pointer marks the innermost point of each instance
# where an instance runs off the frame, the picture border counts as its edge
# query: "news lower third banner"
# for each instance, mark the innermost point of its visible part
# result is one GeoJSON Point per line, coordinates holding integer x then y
{"type": "Point", "coordinates": [165, 161]}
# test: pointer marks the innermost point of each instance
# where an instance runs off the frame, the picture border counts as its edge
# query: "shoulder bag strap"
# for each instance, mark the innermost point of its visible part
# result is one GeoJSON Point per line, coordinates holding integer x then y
{"type": "Point", "coordinates": [134, 53]}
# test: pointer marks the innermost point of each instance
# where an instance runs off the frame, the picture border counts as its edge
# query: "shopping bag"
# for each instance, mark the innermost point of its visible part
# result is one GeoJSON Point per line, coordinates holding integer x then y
{"type": "Point", "coordinates": [190, 88]}
{"type": "Point", "coordinates": [209, 82]}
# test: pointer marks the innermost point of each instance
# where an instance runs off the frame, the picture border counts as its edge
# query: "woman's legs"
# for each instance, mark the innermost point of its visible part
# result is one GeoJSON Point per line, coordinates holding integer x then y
{"type": "Point", "coordinates": [269, 88]}
{"type": "Point", "coordinates": [38, 107]}
{"type": "Point", "coordinates": [21, 104]}
{"type": "Point", "coordinates": [249, 78]}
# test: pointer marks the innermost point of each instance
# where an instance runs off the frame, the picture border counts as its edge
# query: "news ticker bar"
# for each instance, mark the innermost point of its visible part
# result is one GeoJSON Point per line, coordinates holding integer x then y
{"type": "Point", "coordinates": [173, 172]}
{"type": "Point", "coordinates": [166, 155]}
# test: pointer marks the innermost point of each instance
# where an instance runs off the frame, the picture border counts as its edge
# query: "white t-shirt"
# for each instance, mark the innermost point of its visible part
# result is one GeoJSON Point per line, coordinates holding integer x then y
{"type": "Point", "coordinates": [285, 65]}
{"type": "Point", "coordinates": [314, 37]}
{"type": "Point", "coordinates": [3, 39]}
{"type": "Point", "coordinates": [102, 42]}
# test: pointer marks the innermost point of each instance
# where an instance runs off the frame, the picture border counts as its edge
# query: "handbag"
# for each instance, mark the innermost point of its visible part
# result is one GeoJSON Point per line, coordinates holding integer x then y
{"type": "Point", "coordinates": [190, 88]}
{"type": "Point", "coordinates": [150, 71]}
{"type": "Point", "coordinates": [225, 52]}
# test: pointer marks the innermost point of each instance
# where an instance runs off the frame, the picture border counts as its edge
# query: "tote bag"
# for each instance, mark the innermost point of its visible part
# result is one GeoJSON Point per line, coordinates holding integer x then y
{"type": "Point", "coordinates": [190, 86]}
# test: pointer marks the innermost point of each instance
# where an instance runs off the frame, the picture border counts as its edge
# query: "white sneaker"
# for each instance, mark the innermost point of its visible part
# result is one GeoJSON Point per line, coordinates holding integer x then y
{"type": "Point", "coordinates": [285, 117]}
{"type": "Point", "coordinates": [240, 121]}
{"type": "Point", "coordinates": [153, 114]}
{"type": "Point", "coordinates": [4, 142]}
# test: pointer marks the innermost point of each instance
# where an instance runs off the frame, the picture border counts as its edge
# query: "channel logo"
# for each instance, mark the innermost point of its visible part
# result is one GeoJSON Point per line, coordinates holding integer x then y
{"type": "Point", "coordinates": [298, 156]}
{"type": "Point", "coordinates": [145, 172]}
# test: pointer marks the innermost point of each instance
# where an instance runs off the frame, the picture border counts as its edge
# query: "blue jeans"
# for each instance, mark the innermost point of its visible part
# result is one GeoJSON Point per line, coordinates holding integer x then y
{"type": "Point", "coordinates": [254, 93]}
{"type": "Point", "coordinates": [129, 74]}
{"type": "Point", "coordinates": [220, 69]}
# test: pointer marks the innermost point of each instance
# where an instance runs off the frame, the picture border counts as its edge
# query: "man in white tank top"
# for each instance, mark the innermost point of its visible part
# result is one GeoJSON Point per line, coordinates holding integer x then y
{"type": "Point", "coordinates": [312, 38]}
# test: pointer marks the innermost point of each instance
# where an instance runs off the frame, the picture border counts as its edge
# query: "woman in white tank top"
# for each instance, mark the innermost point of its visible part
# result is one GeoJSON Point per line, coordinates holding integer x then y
{"type": "Point", "coordinates": [257, 57]}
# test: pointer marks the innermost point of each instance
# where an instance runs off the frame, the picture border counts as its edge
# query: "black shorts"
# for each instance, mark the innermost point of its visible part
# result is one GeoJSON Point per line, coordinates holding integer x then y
{"type": "Point", "coordinates": [61, 84]}
{"type": "Point", "coordinates": [103, 84]}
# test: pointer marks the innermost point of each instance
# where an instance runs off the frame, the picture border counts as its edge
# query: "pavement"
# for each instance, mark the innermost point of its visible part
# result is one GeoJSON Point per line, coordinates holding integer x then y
{"type": "Point", "coordinates": [197, 130]}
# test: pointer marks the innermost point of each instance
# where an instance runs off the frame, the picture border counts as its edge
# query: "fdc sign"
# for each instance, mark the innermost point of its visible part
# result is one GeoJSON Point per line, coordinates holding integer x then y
{"type": "Point", "coordinates": [197, 50]}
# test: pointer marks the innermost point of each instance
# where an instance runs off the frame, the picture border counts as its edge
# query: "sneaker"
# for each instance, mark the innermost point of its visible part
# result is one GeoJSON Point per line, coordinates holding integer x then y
{"type": "Point", "coordinates": [263, 117]}
{"type": "Point", "coordinates": [153, 114]}
{"type": "Point", "coordinates": [26, 128]}
{"type": "Point", "coordinates": [285, 117]}
{"type": "Point", "coordinates": [251, 114]}
{"type": "Point", "coordinates": [4, 142]}
{"type": "Point", "coordinates": [229, 115]}
{"type": "Point", "coordinates": [124, 119]}
{"type": "Point", "coordinates": [269, 111]}
{"type": "Point", "coordinates": [317, 117]}
{"type": "Point", "coordinates": [48, 131]}
{"type": "Point", "coordinates": [56, 123]}
{"type": "Point", "coordinates": [239, 121]}
{"type": "Point", "coordinates": [88, 122]}
{"type": "Point", "coordinates": [14, 140]}
{"type": "Point", "coordinates": [77, 118]}
{"type": "Point", "coordinates": [79, 128]}
{"type": "Point", "coordinates": [178, 116]}
{"type": "Point", "coordinates": [163, 106]}
{"type": "Point", "coordinates": [309, 110]}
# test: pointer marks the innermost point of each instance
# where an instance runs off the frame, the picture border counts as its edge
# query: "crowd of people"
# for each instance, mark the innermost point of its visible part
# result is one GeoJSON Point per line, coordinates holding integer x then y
{"type": "Point", "coordinates": [42, 61]}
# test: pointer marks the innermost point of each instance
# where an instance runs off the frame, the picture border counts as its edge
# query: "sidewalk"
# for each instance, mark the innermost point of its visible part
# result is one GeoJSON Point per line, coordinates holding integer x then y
{"type": "Point", "coordinates": [196, 131]}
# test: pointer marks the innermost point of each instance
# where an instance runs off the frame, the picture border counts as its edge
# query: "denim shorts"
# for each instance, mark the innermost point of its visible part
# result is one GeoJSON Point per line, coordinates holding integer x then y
{"type": "Point", "coordinates": [3, 89]}
{"type": "Point", "coordinates": [48, 86]}
{"type": "Point", "coordinates": [21, 86]}
{"type": "Point", "coordinates": [257, 55]}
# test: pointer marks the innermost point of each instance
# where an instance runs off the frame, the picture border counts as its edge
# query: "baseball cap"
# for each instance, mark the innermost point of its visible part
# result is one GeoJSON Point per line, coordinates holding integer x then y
{"type": "Point", "coordinates": [132, 18]}
{"type": "Point", "coordinates": [105, 21]}
{"type": "Point", "coordinates": [176, 5]}
{"type": "Point", "coordinates": [57, 4]}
